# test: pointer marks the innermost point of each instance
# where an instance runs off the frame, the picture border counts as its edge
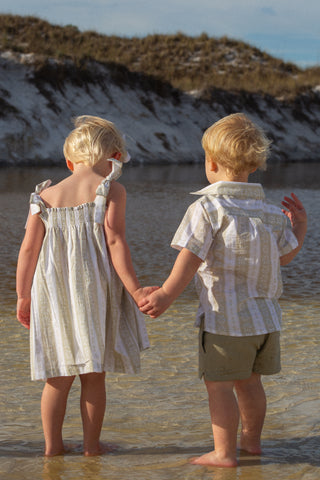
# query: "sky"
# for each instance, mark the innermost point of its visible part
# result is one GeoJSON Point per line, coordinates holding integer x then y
{"type": "Point", "coordinates": [287, 29]}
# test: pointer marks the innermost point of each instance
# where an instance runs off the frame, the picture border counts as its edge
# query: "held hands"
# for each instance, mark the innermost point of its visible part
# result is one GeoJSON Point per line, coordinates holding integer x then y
{"type": "Point", "coordinates": [142, 292]}
{"type": "Point", "coordinates": [184, 269]}
{"type": "Point", "coordinates": [23, 311]}
{"type": "Point", "coordinates": [295, 210]}
{"type": "Point", "coordinates": [156, 303]}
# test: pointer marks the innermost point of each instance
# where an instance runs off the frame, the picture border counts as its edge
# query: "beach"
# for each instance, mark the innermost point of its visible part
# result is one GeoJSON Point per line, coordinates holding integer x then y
{"type": "Point", "coordinates": [160, 418]}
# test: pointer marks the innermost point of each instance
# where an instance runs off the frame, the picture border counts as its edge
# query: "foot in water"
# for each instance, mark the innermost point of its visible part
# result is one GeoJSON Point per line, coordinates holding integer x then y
{"type": "Point", "coordinates": [250, 445]}
{"type": "Point", "coordinates": [214, 460]}
{"type": "Point", "coordinates": [65, 449]}
{"type": "Point", "coordinates": [103, 448]}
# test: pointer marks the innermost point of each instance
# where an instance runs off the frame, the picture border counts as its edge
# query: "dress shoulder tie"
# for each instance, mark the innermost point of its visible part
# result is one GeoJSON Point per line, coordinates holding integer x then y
{"type": "Point", "coordinates": [36, 203]}
{"type": "Point", "coordinates": [103, 190]}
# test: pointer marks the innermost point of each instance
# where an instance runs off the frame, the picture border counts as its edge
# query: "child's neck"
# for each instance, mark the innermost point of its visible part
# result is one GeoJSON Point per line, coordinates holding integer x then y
{"type": "Point", "coordinates": [224, 176]}
{"type": "Point", "coordinates": [218, 173]}
{"type": "Point", "coordinates": [102, 168]}
{"type": "Point", "coordinates": [243, 177]}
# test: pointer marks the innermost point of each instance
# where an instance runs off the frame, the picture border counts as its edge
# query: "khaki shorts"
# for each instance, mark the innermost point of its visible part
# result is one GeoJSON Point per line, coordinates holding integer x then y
{"type": "Point", "coordinates": [226, 358]}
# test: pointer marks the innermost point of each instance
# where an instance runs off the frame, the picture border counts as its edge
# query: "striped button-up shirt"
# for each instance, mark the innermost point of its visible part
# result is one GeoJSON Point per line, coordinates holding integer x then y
{"type": "Point", "coordinates": [240, 237]}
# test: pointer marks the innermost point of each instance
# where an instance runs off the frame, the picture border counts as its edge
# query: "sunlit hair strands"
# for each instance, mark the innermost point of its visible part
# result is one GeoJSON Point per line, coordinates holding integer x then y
{"type": "Point", "coordinates": [237, 144]}
{"type": "Point", "coordinates": [92, 140]}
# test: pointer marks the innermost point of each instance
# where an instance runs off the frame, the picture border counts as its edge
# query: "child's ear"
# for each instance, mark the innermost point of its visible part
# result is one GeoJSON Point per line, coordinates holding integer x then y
{"type": "Point", "coordinates": [116, 155]}
{"type": "Point", "coordinates": [213, 166]}
{"type": "Point", "coordinates": [70, 165]}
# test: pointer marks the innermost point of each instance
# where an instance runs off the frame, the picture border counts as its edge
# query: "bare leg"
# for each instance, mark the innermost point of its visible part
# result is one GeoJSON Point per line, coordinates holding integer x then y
{"type": "Point", "coordinates": [53, 409]}
{"type": "Point", "coordinates": [225, 420]}
{"type": "Point", "coordinates": [252, 406]}
{"type": "Point", "coordinates": [93, 405]}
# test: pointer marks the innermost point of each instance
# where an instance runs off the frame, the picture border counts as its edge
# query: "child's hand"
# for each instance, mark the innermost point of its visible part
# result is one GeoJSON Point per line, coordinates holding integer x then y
{"type": "Point", "coordinates": [295, 210]}
{"type": "Point", "coordinates": [143, 292]}
{"type": "Point", "coordinates": [298, 218]}
{"type": "Point", "coordinates": [23, 311]}
{"type": "Point", "coordinates": [156, 303]}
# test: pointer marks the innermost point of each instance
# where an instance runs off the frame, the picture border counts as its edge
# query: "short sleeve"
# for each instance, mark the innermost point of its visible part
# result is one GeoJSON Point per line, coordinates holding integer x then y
{"type": "Point", "coordinates": [287, 241]}
{"type": "Point", "coordinates": [195, 232]}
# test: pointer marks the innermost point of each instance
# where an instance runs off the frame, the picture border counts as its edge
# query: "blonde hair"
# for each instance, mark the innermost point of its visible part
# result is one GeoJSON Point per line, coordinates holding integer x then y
{"type": "Point", "coordinates": [237, 144]}
{"type": "Point", "coordinates": [92, 140]}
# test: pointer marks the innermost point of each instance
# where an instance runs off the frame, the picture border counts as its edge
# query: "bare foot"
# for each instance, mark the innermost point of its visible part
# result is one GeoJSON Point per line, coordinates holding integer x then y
{"type": "Point", "coordinates": [102, 449]}
{"type": "Point", "coordinates": [55, 453]}
{"type": "Point", "coordinates": [67, 448]}
{"type": "Point", "coordinates": [214, 460]}
{"type": "Point", "coordinates": [251, 446]}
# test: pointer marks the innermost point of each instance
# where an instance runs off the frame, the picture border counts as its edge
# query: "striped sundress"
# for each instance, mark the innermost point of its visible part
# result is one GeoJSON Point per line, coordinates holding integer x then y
{"type": "Point", "coordinates": [82, 318]}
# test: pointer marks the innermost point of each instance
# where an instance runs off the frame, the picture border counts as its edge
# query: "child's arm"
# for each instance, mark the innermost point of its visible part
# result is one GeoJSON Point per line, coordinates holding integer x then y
{"type": "Point", "coordinates": [115, 230]}
{"type": "Point", "coordinates": [184, 269]}
{"type": "Point", "coordinates": [298, 218]}
{"type": "Point", "coordinates": [27, 261]}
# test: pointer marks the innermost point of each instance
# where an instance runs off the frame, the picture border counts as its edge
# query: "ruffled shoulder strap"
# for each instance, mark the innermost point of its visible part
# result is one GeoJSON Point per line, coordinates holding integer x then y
{"type": "Point", "coordinates": [36, 203]}
{"type": "Point", "coordinates": [103, 190]}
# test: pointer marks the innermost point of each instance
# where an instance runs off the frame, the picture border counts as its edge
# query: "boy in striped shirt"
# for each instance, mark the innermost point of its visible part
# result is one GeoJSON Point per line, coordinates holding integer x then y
{"type": "Point", "coordinates": [234, 241]}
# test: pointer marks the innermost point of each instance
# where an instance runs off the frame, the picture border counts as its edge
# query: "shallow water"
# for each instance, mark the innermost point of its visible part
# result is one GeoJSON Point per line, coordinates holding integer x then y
{"type": "Point", "coordinates": [160, 418]}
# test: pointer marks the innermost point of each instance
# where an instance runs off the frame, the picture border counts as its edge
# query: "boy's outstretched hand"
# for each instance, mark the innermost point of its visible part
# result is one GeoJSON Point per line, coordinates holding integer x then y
{"type": "Point", "coordinates": [294, 210]}
{"type": "Point", "coordinates": [298, 218]}
{"type": "Point", "coordinates": [155, 303]}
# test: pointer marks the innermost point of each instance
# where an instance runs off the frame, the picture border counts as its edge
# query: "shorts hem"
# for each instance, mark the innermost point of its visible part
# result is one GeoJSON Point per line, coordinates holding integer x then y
{"type": "Point", "coordinates": [224, 377]}
{"type": "Point", "coordinates": [212, 377]}
{"type": "Point", "coordinates": [267, 372]}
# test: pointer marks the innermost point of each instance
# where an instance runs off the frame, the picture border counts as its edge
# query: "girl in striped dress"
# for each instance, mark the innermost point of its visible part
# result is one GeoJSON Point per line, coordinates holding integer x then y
{"type": "Point", "coordinates": [76, 284]}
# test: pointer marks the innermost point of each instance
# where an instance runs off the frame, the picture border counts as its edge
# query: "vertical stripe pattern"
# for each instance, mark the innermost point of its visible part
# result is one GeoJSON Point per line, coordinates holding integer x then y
{"type": "Point", "coordinates": [240, 238]}
{"type": "Point", "coordinates": [82, 318]}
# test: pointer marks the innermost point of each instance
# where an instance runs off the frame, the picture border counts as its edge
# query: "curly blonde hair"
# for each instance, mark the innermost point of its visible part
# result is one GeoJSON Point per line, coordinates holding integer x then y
{"type": "Point", "coordinates": [237, 144]}
{"type": "Point", "coordinates": [92, 140]}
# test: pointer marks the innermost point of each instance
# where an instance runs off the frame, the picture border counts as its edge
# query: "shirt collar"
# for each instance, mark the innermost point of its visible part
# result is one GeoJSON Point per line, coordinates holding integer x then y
{"type": "Point", "coordinates": [233, 189]}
